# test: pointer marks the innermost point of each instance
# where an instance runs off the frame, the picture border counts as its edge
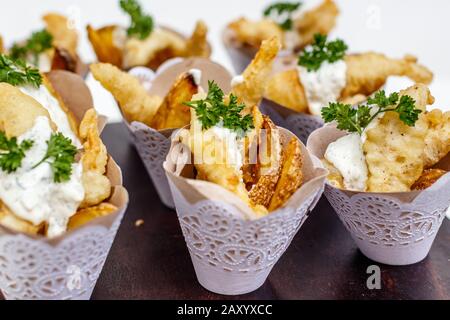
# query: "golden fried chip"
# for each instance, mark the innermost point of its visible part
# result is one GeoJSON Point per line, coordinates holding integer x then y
{"type": "Point", "coordinates": [394, 151]}
{"type": "Point", "coordinates": [256, 76]}
{"type": "Point", "coordinates": [253, 33]}
{"type": "Point", "coordinates": [437, 141]}
{"type": "Point", "coordinates": [97, 186]}
{"type": "Point", "coordinates": [286, 90]}
{"type": "Point", "coordinates": [86, 215]}
{"type": "Point", "coordinates": [291, 177]}
{"type": "Point", "coordinates": [173, 113]}
{"type": "Point", "coordinates": [134, 101]}
{"type": "Point", "coordinates": [104, 43]}
{"type": "Point", "coordinates": [64, 35]}
{"type": "Point", "coordinates": [427, 179]}
{"type": "Point", "coordinates": [18, 111]}
{"type": "Point", "coordinates": [197, 45]}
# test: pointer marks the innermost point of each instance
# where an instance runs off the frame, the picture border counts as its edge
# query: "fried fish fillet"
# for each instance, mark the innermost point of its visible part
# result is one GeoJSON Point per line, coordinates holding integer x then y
{"type": "Point", "coordinates": [318, 20]}
{"type": "Point", "coordinates": [394, 151]}
{"type": "Point", "coordinates": [256, 75]}
{"type": "Point", "coordinates": [97, 186]}
{"type": "Point", "coordinates": [64, 36]}
{"type": "Point", "coordinates": [104, 42]}
{"type": "Point", "coordinates": [437, 141]}
{"type": "Point", "coordinates": [134, 101]}
{"type": "Point", "coordinates": [173, 113]}
{"type": "Point", "coordinates": [366, 73]}
{"type": "Point", "coordinates": [427, 179]}
{"type": "Point", "coordinates": [86, 215]}
{"type": "Point", "coordinates": [291, 177]}
{"type": "Point", "coordinates": [197, 45]}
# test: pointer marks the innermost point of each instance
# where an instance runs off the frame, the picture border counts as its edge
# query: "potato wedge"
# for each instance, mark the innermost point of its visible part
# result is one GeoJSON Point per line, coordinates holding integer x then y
{"type": "Point", "coordinates": [86, 215]}
{"type": "Point", "coordinates": [64, 36]}
{"type": "Point", "coordinates": [428, 178]}
{"type": "Point", "coordinates": [291, 175]}
{"type": "Point", "coordinates": [103, 41]}
{"type": "Point", "coordinates": [173, 113]}
{"type": "Point", "coordinates": [197, 45]}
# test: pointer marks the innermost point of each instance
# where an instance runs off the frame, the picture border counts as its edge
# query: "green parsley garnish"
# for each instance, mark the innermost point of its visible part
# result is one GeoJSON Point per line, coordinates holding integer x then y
{"type": "Point", "coordinates": [62, 153]}
{"type": "Point", "coordinates": [141, 24]}
{"type": "Point", "coordinates": [213, 110]}
{"type": "Point", "coordinates": [11, 153]}
{"type": "Point", "coordinates": [322, 50]}
{"type": "Point", "coordinates": [38, 43]}
{"type": "Point", "coordinates": [17, 72]}
{"type": "Point", "coordinates": [283, 10]}
{"type": "Point", "coordinates": [357, 119]}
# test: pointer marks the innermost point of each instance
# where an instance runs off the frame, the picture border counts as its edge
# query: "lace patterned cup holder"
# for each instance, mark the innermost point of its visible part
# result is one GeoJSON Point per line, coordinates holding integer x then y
{"type": "Point", "coordinates": [64, 268]}
{"type": "Point", "coordinates": [301, 124]}
{"type": "Point", "coordinates": [233, 255]}
{"type": "Point", "coordinates": [389, 228]}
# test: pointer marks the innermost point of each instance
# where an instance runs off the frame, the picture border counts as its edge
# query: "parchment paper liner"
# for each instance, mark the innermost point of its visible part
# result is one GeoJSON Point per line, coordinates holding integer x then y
{"type": "Point", "coordinates": [390, 228]}
{"type": "Point", "coordinates": [230, 255]}
{"type": "Point", "coordinates": [67, 267]}
{"type": "Point", "coordinates": [153, 145]}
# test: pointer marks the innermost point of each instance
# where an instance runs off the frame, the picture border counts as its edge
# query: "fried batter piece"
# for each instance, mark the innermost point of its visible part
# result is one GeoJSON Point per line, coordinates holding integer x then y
{"type": "Point", "coordinates": [97, 186]}
{"type": "Point", "coordinates": [104, 43]}
{"type": "Point", "coordinates": [253, 33]}
{"type": "Point", "coordinates": [394, 151]}
{"type": "Point", "coordinates": [197, 45]}
{"type": "Point", "coordinates": [86, 215]}
{"type": "Point", "coordinates": [334, 176]}
{"type": "Point", "coordinates": [64, 36]}
{"type": "Point", "coordinates": [437, 141]}
{"type": "Point", "coordinates": [428, 178]}
{"type": "Point", "coordinates": [291, 177]}
{"type": "Point", "coordinates": [173, 113]}
{"type": "Point", "coordinates": [366, 73]}
{"type": "Point", "coordinates": [251, 90]}
{"type": "Point", "coordinates": [135, 103]}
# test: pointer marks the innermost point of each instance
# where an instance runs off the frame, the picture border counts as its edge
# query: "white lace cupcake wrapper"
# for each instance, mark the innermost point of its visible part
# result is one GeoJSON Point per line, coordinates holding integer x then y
{"type": "Point", "coordinates": [232, 256]}
{"type": "Point", "coordinates": [65, 269]}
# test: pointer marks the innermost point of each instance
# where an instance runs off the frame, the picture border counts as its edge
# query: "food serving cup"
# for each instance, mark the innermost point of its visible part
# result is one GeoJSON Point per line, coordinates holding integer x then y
{"type": "Point", "coordinates": [66, 267]}
{"type": "Point", "coordinates": [390, 228]}
{"type": "Point", "coordinates": [232, 255]}
{"type": "Point", "coordinates": [153, 145]}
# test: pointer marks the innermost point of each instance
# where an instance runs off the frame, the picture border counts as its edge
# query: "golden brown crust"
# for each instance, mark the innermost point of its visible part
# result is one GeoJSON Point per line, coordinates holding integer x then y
{"type": "Point", "coordinates": [437, 141]}
{"type": "Point", "coordinates": [427, 179]}
{"type": "Point", "coordinates": [173, 113]}
{"type": "Point", "coordinates": [86, 215]}
{"type": "Point", "coordinates": [197, 45]}
{"type": "Point", "coordinates": [63, 36]}
{"type": "Point", "coordinates": [291, 177]}
{"type": "Point", "coordinates": [334, 176]}
{"type": "Point", "coordinates": [102, 41]}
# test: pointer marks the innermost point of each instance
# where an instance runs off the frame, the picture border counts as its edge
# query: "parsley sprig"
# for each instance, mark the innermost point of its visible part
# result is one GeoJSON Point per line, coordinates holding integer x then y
{"type": "Point", "coordinates": [141, 23]}
{"type": "Point", "coordinates": [60, 155]}
{"type": "Point", "coordinates": [12, 153]}
{"type": "Point", "coordinates": [213, 110]}
{"type": "Point", "coordinates": [283, 10]}
{"type": "Point", "coordinates": [357, 119]}
{"type": "Point", "coordinates": [17, 72]}
{"type": "Point", "coordinates": [39, 42]}
{"type": "Point", "coordinates": [322, 50]}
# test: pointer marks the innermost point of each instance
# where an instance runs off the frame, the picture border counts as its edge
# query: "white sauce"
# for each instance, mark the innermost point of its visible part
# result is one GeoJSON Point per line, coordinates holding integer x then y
{"type": "Point", "coordinates": [228, 140]}
{"type": "Point", "coordinates": [237, 80]}
{"type": "Point", "coordinates": [44, 62]}
{"type": "Point", "coordinates": [347, 155]}
{"type": "Point", "coordinates": [31, 192]}
{"type": "Point", "coordinates": [119, 37]}
{"type": "Point", "coordinates": [58, 116]}
{"type": "Point", "coordinates": [324, 85]}
{"type": "Point", "coordinates": [197, 75]}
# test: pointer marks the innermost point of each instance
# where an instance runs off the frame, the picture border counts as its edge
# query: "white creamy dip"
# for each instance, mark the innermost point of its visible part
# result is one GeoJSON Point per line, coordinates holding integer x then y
{"type": "Point", "coordinates": [347, 155]}
{"type": "Point", "coordinates": [237, 80]}
{"type": "Point", "coordinates": [57, 114]}
{"type": "Point", "coordinates": [197, 75]}
{"type": "Point", "coordinates": [324, 85]}
{"type": "Point", "coordinates": [44, 62]}
{"type": "Point", "coordinates": [31, 192]}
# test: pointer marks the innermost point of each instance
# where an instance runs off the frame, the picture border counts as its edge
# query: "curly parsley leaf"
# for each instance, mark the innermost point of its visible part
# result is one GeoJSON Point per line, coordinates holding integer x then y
{"type": "Point", "coordinates": [357, 119]}
{"type": "Point", "coordinates": [38, 43]}
{"type": "Point", "coordinates": [141, 24]}
{"type": "Point", "coordinates": [213, 110]}
{"type": "Point", "coordinates": [12, 153]}
{"type": "Point", "coordinates": [60, 155]}
{"type": "Point", "coordinates": [283, 12]}
{"type": "Point", "coordinates": [320, 51]}
{"type": "Point", "coordinates": [17, 72]}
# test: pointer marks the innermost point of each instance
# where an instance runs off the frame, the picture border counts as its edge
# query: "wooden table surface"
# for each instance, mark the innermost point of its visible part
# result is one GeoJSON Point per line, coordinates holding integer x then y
{"type": "Point", "coordinates": [152, 261]}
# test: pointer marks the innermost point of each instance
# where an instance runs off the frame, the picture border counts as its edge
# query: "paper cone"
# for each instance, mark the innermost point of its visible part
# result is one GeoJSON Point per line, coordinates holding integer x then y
{"type": "Point", "coordinates": [153, 145]}
{"type": "Point", "coordinates": [233, 256]}
{"type": "Point", "coordinates": [390, 228]}
{"type": "Point", "coordinates": [67, 267]}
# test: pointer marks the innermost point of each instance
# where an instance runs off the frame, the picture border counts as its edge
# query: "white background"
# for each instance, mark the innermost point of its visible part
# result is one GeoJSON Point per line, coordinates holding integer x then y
{"type": "Point", "coordinates": [393, 27]}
